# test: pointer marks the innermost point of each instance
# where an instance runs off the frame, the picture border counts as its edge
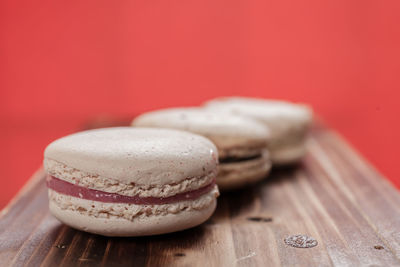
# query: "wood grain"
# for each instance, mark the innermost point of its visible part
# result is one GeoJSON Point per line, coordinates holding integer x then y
{"type": "Point", "coordinates": [334, 195]}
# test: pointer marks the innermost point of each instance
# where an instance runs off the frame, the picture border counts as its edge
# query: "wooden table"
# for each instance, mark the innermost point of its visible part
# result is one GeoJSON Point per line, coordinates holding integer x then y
{"type": "Point", "coordinates": [334, 196]}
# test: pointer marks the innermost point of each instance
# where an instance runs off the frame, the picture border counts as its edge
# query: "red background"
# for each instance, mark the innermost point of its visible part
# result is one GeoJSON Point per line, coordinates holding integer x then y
{"type": "Point", "coordinates": [62, 62]}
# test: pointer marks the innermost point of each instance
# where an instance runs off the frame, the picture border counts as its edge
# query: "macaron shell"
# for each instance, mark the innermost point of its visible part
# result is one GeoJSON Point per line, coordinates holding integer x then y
{"type": "Point", "coordinates": [136, 155]}
{"type": "Point", "coordinates": [140, 227]}
{"type": "Point", "coordinates": [235, 175]}
{"type": "Point", "coordinates": [288, 122]}
{"type": "Point", "coordinates": [225, 130]}
{"type": "Point", "coordinates": [271, 111]}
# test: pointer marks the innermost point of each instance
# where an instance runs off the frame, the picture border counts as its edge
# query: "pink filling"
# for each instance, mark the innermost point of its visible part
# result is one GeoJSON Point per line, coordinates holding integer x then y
{"type": "Point", "coordinates": [67, 188]}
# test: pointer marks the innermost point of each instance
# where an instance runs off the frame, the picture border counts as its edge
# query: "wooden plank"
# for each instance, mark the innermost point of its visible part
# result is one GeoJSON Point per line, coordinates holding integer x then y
{"type": "Point", "coordinates": [374, 196]}
{"type": "Point", "coordinates": [334, 196]}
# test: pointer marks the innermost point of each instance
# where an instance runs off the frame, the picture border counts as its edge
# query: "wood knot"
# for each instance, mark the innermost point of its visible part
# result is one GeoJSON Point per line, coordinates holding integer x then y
{"type": "Point", "coordinates": [260, 219]}
{"type": "Point", "coordinates": [179, 254]}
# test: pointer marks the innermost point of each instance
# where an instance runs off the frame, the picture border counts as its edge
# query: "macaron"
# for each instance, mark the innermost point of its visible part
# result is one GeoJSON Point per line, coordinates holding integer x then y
{"type": "Point", "coordinates": [288, 122]}
{"type": "Point", "coordinates": [241, 141]}
{"type": "Point", "coordinates": [128, 181]}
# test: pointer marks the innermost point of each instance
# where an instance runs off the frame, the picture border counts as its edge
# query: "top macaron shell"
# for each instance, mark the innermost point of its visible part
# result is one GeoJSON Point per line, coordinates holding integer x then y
{"type": "Point", "coordinates": [225, 130]}
{"type": "Point", "coordinates": [136, 155]}
{"type": "Point", "coordinates": [282, 117]}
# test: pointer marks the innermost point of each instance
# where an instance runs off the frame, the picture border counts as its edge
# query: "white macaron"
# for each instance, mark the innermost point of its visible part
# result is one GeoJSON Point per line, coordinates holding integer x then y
{"type": "Point", "coordinates": [289, 123]}
{"type": "Point", "coordinates": [132, 182]}
{"type": "Point", "coordinates": [241, 141]}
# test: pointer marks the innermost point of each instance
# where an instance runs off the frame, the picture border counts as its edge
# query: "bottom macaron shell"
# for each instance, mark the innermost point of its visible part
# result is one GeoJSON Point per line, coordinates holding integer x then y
{"type": "Point", "coordinates": [140, 226]}
{"type": "Point", "coordinates": [289, 154]}
{"type": "Point", "coordinates": [235, 175]}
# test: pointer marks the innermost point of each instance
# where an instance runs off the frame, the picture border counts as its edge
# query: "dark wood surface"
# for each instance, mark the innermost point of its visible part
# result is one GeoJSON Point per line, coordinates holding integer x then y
{"type": "Point", "coordinates": [334, 196]}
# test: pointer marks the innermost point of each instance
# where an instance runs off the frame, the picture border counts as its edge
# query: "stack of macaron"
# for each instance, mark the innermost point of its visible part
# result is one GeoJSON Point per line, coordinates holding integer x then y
{"type": "Point", "coordinates": [162, 175]}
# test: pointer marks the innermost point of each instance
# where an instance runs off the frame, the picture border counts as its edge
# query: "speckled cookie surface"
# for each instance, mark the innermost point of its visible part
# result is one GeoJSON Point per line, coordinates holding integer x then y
{"type": "Point", "coordinates": [134, 155]}
{"type": "Point", "coordinates": [263, 109]}
{"type": "Point", "coordinates": [231, 134]}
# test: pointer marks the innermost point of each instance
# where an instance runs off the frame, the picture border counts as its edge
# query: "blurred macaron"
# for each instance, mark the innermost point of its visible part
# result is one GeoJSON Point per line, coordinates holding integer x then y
{"type": "Point", "coordinates": [288, 123]}
{"type": "Point", "coordinates": [241, 141]}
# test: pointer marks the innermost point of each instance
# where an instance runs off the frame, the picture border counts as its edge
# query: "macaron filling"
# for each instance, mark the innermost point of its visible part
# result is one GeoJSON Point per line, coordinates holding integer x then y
{"type": "Point", "coordinates": [70, 189]}
{"type": "Point", "coordinates": [233, 159]}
